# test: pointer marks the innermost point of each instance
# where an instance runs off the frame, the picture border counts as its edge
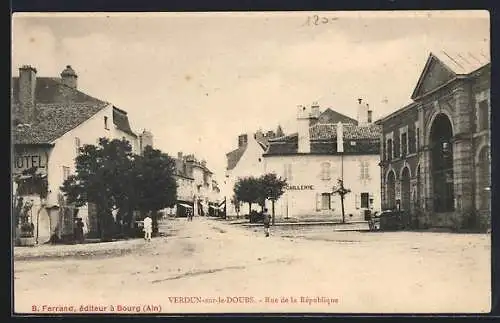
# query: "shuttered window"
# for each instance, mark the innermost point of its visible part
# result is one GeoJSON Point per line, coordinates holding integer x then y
{"type": "Point", "coordinates": [325, 201]}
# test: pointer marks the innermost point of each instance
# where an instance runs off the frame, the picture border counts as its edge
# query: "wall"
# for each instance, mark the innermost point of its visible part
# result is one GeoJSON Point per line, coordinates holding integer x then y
{"type": "Point", "coordinates": [304, 200]}
{"type": "Point", "coordinates": [64, 152]}
{"type": "Point", "coordinates": [251, 163]}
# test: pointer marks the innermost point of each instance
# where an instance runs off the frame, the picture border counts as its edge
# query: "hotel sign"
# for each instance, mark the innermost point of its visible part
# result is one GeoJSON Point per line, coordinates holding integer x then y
{"type": "Point", "coordinates": [299, 187]}
{"type": "Point", "coordinates": [27, 160]}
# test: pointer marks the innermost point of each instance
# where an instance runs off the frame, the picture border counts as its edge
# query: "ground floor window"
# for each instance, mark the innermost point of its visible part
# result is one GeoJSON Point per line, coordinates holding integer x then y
{"type": "Point", "coordinates": [325, 201]}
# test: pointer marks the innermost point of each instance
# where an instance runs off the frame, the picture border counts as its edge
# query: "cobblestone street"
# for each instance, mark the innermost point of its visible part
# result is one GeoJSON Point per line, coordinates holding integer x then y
{"type": "Point", "coordinates": [212, 266]}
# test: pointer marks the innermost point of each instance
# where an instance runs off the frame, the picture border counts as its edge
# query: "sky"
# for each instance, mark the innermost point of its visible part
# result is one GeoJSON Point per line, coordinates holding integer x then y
{"type": "Point", "coordinates": [198, 80]}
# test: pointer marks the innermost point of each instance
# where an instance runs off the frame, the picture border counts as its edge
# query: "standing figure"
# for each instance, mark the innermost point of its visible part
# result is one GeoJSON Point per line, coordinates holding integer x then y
{"type": "Point", "coordinates": [148, 228]}
{"type": "Point", "coordinates": [267, 222]}
{"type": "Point", "coordinates": [79, 228]}
{"type": "Point", "coordinates": [190, 215]}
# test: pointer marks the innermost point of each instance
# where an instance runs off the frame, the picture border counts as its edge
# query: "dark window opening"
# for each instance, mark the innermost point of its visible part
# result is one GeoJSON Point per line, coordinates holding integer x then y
{"type": "Point", "coordinates": [389, 149]}
{"type": "Point", "coordinates": [106, 123]}
{"type": "Point", "coordinates": [365, 200]}
{"type": "Point", "coordinates": [404, 144]}
{"type": "Point", "coordinates": [483, 115]}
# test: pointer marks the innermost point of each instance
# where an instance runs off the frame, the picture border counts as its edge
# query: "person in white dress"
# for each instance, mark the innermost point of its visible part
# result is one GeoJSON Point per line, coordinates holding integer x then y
{"type": "Point", "coordinates": [148, 228]}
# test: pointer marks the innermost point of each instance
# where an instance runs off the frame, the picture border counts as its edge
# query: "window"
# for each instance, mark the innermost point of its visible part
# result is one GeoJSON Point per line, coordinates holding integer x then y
{"type": "Point", "coordinates": [66, 172]}
{"type": "Point", "coordinates": [389, 149]}
{"type": "Point", "coordinates": [404, 144]}
{"type": "Point", "coordinates": [365, 200]}
{"type": "Point", "coordinates": [106, 123]}
{"type": "Point", "coordinates": [325, 201]}
{"type": "Point", "coordinates": [325, 171]}
{"type": "Point", "coordinates": [483, 116]}
{"type": "Point", "coordinates": [364, 167]}
{"type": "Point", "coordinates": [77, 145]}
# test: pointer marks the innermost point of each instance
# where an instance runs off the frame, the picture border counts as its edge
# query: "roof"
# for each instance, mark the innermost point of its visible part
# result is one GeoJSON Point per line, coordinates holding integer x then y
{"type": "Point", "coordinates": [442, 67]}
{"type": "Point", "coordinates": [54, 120]}
{"type": "Point", "coordinates": [463, 63]}
{"type": "Point", "coordinates": [350, 131]}
{"type": "Point", "coordinates": [58, 109]}
{"type": "Point", "coordinates": [234, 157]}
{"type": "Point", "coordinates": [323, 140]}
{"type": "Point", "coordinates": [396, 113]}
{"type": "Point", "coordinates": [331, 116]}
{"type": "Point", "coordinates": [121, 122]}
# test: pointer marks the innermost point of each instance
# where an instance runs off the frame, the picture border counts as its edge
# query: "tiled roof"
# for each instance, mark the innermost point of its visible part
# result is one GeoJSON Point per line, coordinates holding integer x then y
{"type": "Point", "coordinates": [463, 62]}
{"type": "Point", "coordinates": [54, 120]}
{"type": "Point", "coordinates": [58, 109]}
{"type": "Point", "coordinates": [51, 90]}
{"type": "Point", "coordinates": [234, 156]}
{"type": "Point", "coordinates": [120, 120]}
{"type": "Point", "coordinates": [357, 139]}
{"type": "Point", "coordinates": [331, 116]}
{"type": "Point", "coordinates": [351, 132]}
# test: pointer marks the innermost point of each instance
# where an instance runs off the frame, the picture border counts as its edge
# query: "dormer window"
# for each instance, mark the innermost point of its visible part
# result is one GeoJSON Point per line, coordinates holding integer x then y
{"type": "Point", "coordinates": [106, 123]}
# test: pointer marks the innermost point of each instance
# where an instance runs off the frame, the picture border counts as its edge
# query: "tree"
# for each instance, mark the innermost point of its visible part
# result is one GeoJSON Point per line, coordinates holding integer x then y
{"type": "Point", "coordinates": [342, 192]}
{"type": "Point", "coordinates": [248, 190]}
{"type": "Point", "coordinates": [273, 188]}
{"type": "Point", "coordinates": [102, 177]}
{"type": "Point", "coordinates": [153, 183]}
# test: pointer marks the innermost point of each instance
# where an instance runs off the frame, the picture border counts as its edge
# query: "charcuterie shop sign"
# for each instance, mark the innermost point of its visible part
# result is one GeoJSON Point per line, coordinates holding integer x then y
{"type": "Point", "coordinates": [299, 187]}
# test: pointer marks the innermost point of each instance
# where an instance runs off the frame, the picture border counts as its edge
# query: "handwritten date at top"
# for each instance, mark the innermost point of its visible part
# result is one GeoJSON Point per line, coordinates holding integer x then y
{"type": "Point", "coordinates": [317, 20]}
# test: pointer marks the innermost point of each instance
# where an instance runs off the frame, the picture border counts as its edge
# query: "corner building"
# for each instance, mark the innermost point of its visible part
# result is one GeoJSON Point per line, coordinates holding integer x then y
{"type": "Point", "coordinates": [327, 147]}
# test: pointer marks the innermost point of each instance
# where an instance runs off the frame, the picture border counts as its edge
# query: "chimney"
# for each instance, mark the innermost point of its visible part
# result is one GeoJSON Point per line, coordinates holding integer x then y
{"type": "Point", "coordinates": [242, 140]}
{"type": "Point", "coordinates": [340, 137]}
{"type": "Point", "coordinates": [27, 87]}
{"type": "Point", "coordinates": [69, 77]}
{"type": "Point", "coordinates": [315, 110]}
{"type": "Point", "coordinates": [370, 116]}
{"type": "Point", "coordinates": [362, 113]}
{"type": "Point", "coordinates": [303, 119]}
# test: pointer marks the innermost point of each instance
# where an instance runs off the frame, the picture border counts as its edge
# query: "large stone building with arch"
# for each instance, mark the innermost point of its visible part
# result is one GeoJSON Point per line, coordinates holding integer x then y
{"type": "Point", "coordinates": [435, 152]}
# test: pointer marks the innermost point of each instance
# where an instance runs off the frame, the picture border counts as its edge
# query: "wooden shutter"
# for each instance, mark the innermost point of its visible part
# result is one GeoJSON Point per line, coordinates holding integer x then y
{"type": "Point", "coordinates": [318, 201]}
{"type": "Point", "coordinates": [357, 201]}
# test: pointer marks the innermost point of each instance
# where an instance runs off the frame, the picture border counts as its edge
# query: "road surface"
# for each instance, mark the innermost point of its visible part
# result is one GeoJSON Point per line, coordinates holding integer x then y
{"type": "Point", "coordinates": [207, 266]}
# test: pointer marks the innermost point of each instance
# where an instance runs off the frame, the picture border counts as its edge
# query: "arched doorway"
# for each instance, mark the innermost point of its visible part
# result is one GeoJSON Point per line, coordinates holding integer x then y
{"type": "Point", "coordinates": [405, 189]}
{"type": "Point", "coordinates": [391, 190]}
{"type": "Point", "coordinates": [484, 179]}
{"type": "Point", "coordinates": [442, 164]}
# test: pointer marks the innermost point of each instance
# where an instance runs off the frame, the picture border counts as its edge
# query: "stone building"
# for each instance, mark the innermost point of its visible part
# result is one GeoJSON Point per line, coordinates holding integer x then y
{"type": "Point", "coordinates": [435, 154]}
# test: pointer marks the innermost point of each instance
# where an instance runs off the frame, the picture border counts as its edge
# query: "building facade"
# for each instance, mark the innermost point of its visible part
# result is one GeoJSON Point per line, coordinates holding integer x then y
{"type": "Point", "coordinates": [319, 155]}
{"type": "Point", "coordinates": [436, 150]}
{"type": "Point", "coordinates": [52, 119]}
{"type": "Point", "coordinates": [242, 162]}
{"type": "Point", "coordinates": [197, 190]}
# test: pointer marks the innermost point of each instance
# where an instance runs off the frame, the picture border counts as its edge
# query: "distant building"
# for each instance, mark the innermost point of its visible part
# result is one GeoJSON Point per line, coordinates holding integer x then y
{"type": "Point", "coordinates": [196, 189]}
{"type": "Point", "coordinates": [245, 161]}
{"type": "Point", "coordinates": [52, 119]}
{"type": "Point", "coordinates": [318, 155]}
{"type": "Point", "coordinates": [436, 150]}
